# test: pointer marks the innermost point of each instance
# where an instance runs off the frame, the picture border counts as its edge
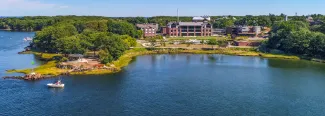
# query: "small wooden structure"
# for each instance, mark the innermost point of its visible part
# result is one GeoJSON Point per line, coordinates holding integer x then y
{"type": "Point", "coordinates": [75, 56]}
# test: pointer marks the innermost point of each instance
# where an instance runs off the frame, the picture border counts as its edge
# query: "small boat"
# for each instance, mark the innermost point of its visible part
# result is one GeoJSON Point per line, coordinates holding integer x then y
{"type": "Point", "coordinates": [57, 84]}
{"type": "Point", "coordinates": [28, 39]}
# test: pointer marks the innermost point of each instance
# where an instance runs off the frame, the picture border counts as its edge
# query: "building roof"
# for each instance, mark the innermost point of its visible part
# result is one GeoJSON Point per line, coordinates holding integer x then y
{"type": "Point", "coordinates": [190, 23]}
{"type": "Point", "coordinates": [146, 26]}
{"type": "Point", "coordinates": [198, 18]}
{"type": "Point", "coordinates": [201, 18]}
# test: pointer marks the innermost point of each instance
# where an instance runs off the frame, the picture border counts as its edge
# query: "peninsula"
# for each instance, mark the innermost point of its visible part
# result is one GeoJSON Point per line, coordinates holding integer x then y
{"type": "Point", "coordinates": [102, 45]}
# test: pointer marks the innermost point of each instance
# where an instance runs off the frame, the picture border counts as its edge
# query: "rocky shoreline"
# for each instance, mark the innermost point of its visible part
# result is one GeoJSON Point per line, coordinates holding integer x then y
{"type": "Point", "coordinates": [31, 77]}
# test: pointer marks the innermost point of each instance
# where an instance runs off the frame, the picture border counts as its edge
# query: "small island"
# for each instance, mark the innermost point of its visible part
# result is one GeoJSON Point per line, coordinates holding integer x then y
{"type": "Point", "coordinates": [101, 45]}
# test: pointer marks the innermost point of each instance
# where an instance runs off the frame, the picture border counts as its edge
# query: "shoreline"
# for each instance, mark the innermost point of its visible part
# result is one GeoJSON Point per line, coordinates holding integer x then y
{"type": "Point", "coordinates": [17, 30]}
{"type": "Point", "coordinates": [5, 29]}
{"type": "Point", "coordinates": [49, 68]}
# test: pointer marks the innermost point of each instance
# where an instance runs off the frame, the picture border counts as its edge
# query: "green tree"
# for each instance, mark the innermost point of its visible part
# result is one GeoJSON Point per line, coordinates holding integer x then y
{"type": "Point", "coordinates": [295, 37]}
{"type": "Point", "coordinates": [122, 28]}
{"type": "Point", "coordinates": [213, 42]}
{"type": "Point", "coordinates": [319, 28]}
{"type": "Point", "coordinates": [264, 21]}
{"type": "Point", "coordinates": [69, 45]}
{"type": "Point", "coordinates": [222, 23]}
{"type": "Point", "coordinates": [45, 40]}
{"type": "Point", "coordinates": [137, 20]}
{"type": "Point", "coordinates": [131, 42]}
{"type": "Point", "coordinates": [115, 46]}
{"type": "Point", "coordinates": [272, 18]}
{"type": "Point", "coordinates": [105, 57]}
{"type": "Point", "coordinates": [139, 34]}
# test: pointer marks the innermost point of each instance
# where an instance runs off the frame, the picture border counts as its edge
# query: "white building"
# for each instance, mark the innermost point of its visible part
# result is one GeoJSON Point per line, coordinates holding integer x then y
{"type": "Point", "coordinates": [201, 19]}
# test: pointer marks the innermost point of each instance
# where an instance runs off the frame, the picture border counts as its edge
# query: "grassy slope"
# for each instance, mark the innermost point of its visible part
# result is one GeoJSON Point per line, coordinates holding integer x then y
{"type": "Point", "coordinates": [48, 68]}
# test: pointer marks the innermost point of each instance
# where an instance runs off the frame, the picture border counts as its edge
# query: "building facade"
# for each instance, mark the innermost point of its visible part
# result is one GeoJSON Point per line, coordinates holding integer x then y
{"type": "Point", "coordinates": [240, 30]}
{"type": "Point", "coordinates": [149, 30]}
{"type": "Point", "coordinates": [175, 29]}
{"type": "Point", "coordinates": [254, 30]}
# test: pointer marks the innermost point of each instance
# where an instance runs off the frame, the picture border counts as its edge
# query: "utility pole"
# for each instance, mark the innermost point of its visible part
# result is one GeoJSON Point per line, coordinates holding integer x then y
{"type": "Point", "coordinates": [177, 16]}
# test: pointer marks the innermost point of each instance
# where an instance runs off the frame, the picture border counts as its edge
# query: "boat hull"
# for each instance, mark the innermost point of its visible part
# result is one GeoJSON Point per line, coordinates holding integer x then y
{"type": "Point", "coordinates": [51, 85]}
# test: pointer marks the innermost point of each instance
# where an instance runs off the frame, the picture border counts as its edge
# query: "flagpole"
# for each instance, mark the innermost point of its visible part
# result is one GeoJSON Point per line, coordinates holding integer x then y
{"type": "Point", "coordinates": [33, 67]}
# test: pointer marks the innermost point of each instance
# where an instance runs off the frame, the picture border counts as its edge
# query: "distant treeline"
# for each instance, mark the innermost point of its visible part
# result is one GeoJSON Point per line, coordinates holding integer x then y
{"type": "Point", "coordinates": [38, 22]}
{"type": "Point", "coordinates": [225, 21]}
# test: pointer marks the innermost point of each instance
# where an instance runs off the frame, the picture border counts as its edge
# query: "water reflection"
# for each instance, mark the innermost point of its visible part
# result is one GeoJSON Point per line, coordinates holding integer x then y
{"type": "Point", "coordinates": [56, 90]}
{"type": "Point", "coordinates": [153, 59]}
{"type": "Point", "coordinates": [173, 56]}
{"type": "Point", "coordinates": [188, 58]}
{"type": "Point", "coordinates": [202, 58]}
{"type": "Point", "coordinates": [290, 64]}
{"type": "Point", "coordinates": [215, 58]}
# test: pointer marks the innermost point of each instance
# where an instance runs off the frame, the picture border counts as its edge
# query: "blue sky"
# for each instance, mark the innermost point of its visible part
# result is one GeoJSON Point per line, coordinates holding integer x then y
{"type": "Point", "coordinates": [116, 8]}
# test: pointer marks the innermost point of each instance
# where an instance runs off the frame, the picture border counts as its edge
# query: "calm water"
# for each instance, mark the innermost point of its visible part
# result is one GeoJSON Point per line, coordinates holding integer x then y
{"type": "Point", "coordinates": [169, 85]}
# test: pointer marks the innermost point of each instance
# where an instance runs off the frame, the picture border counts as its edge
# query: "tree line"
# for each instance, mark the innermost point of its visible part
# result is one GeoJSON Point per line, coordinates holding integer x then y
{"type": "Point", "coordinates": [297, 37]}
{"type": "Point", "coordinates": [262, 20]}
{"type": "Point", "coordinates": [78, 36]}
{"type": "Point", "coordinates": [39, 22]}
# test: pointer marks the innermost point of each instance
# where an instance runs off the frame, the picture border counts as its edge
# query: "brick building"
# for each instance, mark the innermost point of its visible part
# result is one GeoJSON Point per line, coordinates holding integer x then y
{"type": "Point", "coordinates": [187, 29]}
{"type": "Point", "coordinates": [149, 30]}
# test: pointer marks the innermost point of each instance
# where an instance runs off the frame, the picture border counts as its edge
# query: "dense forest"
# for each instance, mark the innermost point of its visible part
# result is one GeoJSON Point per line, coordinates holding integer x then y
{"type": "Point", "coordinates": [80, 35]}
{"type": "Point", "coordinates": [298, 37]}
{"type": "Point", "coordinates": [37, 23]}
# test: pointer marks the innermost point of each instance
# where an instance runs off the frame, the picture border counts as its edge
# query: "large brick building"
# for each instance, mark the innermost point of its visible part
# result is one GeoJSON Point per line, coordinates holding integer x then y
{"type": "Point", "coordinates": [187, 29]}
{"type": "Point", "coordinates": [149, 30]}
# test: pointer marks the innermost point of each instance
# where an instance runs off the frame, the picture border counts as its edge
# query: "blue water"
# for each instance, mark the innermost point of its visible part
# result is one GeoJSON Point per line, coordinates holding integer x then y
{"type": "Point", "coordinates": [200, 85]}
{"type": "Point", "coordinates": [10, 44]}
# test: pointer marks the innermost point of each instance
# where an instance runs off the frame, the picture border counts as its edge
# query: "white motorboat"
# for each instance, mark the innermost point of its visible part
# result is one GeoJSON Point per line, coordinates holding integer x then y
{"type": "Point", "coordinates": [57, 84]}
{"type": "Point", "coordinates": [28, 39]}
